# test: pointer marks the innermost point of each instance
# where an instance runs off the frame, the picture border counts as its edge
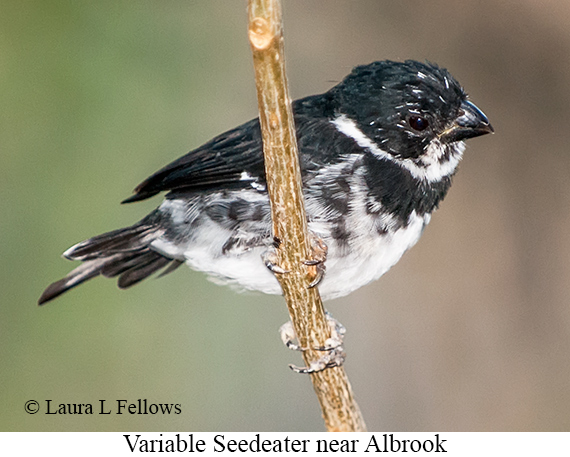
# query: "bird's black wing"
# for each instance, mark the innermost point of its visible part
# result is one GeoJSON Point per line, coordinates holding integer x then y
{"type": "Point", "coordinates": [235, 158]}
{"type": "Point", "coordinates": [229, 158]}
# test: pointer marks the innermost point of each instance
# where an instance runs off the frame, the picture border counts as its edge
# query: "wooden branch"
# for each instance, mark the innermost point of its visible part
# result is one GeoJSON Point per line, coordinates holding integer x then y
{"type": "Point", "coordinates": [340, 411]}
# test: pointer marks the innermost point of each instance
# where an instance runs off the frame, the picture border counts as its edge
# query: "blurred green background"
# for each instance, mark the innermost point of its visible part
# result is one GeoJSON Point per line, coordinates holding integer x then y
{"type": "Point", "coordinates": [470, 331]}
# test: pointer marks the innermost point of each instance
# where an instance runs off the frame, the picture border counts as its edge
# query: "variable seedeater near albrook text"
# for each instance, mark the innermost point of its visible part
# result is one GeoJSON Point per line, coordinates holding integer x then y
{"type": "Point", "coordinates": [377, 151]}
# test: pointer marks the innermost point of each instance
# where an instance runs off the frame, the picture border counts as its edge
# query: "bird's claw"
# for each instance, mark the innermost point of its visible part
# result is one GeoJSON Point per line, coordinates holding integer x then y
{"type": "Point", "coordinates": [288, 336]}
{"type": "Point", "coordinates": [270, 258]}
{"type": "Point", "coordinates": [333, 347]}
{"type": "Point", "coordinates": [334, 358]}
{"type": "Point", "coordinates": [319, 252]}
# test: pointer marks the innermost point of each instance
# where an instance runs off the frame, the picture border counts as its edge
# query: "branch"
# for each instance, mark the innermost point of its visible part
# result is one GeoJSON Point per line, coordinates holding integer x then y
{"type": "Point", "coordinates": [340, 411]}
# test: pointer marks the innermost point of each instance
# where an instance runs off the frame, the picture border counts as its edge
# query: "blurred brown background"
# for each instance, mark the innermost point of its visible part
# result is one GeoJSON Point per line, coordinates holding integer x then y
{"type": "Point", "coordinates": [469, 332]}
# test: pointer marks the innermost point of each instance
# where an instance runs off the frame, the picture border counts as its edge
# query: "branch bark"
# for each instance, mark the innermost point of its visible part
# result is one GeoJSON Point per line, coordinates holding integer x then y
{"type": "Point", "coordinates": [339, 409]}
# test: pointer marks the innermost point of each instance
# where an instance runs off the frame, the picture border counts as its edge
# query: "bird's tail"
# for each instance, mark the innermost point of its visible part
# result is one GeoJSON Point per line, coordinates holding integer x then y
{"type": "Point", "coordinates": [125, 253]}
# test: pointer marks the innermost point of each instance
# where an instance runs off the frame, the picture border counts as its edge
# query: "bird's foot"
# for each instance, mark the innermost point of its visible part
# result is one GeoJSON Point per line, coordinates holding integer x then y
{"type": "Point", "coordinates": [288, 336]}
{"type": "Point", "coordinates": [333, 347]}
{"type": "Point", "coordinates": [270, 258]}
{"type": "Point", "coordinates": [319, 252]}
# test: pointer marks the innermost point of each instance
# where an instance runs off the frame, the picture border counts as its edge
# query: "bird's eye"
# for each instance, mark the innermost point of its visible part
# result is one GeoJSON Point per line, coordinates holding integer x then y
{"type": "Point", "coordinates": [418, 123]}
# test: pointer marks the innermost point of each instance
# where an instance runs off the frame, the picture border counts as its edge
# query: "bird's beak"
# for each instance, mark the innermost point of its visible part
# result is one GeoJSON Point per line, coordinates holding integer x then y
{"type": "Point", "coordinates": [470, 123]}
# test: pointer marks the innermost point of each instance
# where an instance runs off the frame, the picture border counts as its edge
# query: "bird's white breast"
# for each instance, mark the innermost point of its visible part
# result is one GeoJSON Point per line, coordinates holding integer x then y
{"type": "Point", "coordinates": [369, 257]}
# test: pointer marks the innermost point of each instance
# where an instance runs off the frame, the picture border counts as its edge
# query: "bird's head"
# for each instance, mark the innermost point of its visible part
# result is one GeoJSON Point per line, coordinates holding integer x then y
{"type": "Point", "coordinates": [412, 113]}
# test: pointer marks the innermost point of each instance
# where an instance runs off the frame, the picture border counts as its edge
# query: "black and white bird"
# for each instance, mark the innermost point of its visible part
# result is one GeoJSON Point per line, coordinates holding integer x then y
{"type": "Point", "coordinates": [377, 152]}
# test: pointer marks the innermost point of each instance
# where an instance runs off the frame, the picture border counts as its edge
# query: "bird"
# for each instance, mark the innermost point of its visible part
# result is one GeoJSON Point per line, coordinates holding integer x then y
{"type": "Point", "coordinates": [378, 152]}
